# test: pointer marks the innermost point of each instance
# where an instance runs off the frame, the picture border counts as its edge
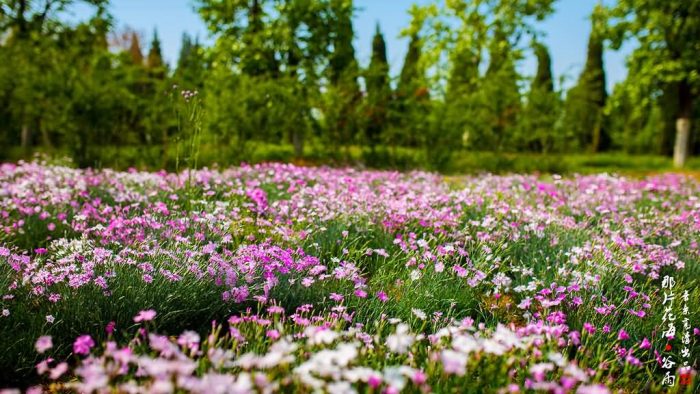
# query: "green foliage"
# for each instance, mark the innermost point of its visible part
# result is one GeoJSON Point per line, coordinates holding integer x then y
{"type": "Point", "coordinates": [668, 37]}
{"type": "Point", "coordinates": [378, 91]}
{"type": "Point", "coordinates": [584, 108]}
{"type": "Point", "coordinates": [285, 73]}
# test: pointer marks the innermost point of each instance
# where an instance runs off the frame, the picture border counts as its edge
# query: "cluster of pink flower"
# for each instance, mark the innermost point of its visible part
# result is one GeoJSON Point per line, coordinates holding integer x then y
{"type": "Point", "coordinates": [539, 255]}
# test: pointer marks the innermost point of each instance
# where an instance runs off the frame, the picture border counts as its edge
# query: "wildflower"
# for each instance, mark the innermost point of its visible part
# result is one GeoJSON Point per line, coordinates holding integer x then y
{"type": "Point", "coordinates": [6, 312]}
{"type": "Point", "coordinates": [382, 296]}
{"type": "Point", "coordinates": [109, 328]}
{"type": "Point", "coordinates": [419, 313]}
{"type": "Point", "coordinates": [360, 293]}
{"type": "Point", "coordinates": [401, 340]}
{"type": "Point", "coordinates": [83, 344]}
{"type": "Point", "coordinates": [453, 362]}
{"type": "Point", "coordinates": [645, 344]}
{"type": "Point", "coordinates": [419, 377]}
{"type": "Point", "coordinates": [374, 381]}
{"type": "Point", "coordinates": [146, 315]}
{"type": "Point", "coordinates": [622, 335]}
{"type": "Point", "coordinates": [272, 334]}
{"type": "Point", "coordinates": [59, 370]}
{"type": "Point", "coordinates": [43, 344]}
{"type": "Point", "coordinates": [50, 319]}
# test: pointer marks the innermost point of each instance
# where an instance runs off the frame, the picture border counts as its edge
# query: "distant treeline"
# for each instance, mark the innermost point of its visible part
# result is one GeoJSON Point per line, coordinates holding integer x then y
{"type": "Point", "coordinates": [285, 73]}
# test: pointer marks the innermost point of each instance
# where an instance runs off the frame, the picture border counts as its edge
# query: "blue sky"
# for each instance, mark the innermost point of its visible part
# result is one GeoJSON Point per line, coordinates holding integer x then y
{"type": "Point", "coordinates": [566, 31]}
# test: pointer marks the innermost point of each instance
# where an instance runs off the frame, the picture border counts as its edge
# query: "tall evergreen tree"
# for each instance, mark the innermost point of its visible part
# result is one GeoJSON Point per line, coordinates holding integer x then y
{"type": "Point", "coordinates": [135, 49]}
{"type": "Point", "coordinates": [412, 97]}
{"type": "Point", "coordinates": [190, 64]}
{"type": "Point", "coordinates": [155, 57]}
{"type": "Point", "coordinates": [410, 73]}
{"type": "Point", "coordinates": [499, 96]}
{"type": "Point", "coordinates": [537, 123]}
{"type": "Point", "coordinates": [378, 89]}
{"type": "Point", "coordinates": [585, 102]}
{"type": "Point", "coordinates": [543, 77]}
{"type": "Point", "coordinates": [344, 93]}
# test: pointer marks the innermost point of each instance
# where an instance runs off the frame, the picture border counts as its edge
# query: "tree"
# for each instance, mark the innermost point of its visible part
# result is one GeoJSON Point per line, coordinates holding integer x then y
{"type": "Point", "coordinates": [191, 64]}
{"type": "Point", "coordinates": [154, 61]}
{"type": "Point", "coordinates": [344, 93]}
{"type": "Point", "coordinates": [541, 111]}
{"type": "Point", "coordinates": [378, 90]}
{"type": "Point", "coordinates": [668, 33]}
{"type": "Point", "coordinates": [412, 99]}
{"type": "Point", "coordinates": [585, 102]}
{"type": "Point", "coordinates": [135, 49]}
{"type": "Point", "coordinates": [29, 29]}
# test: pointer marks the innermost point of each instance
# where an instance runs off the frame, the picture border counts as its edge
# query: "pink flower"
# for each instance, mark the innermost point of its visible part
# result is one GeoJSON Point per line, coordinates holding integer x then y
{"type": "Point", "coordinates": [109, 328]}
{"type": "Point", "coordinates": [146, 315]}
{"type": "Point", "coordinates": [622, 335]}
{"type": "Point", "coordinates": [59, 370]}
{"type": "Point", "coordinates": [419, 377]}
{"type": "Point", "coordinates": [83, 344]}
{"type": "Point", "coordinates": [374, 381]}
{"type": "Point", "coordinates": [336, 297]}
{"type": "Point", "coordinates": [43, 344]}
{"type": "Point", "coordinates": [361, 293]}
{"type": "Point", "coordinates": [272, 334]}
{"type": "Point", "coordinates": [589, 327]}
{"type": "Point", "coordinates": [40, 250]}
{"type": "Point", "coordinates": [382, 296]}
{"type": "Point", "coordinates": [645, 344]}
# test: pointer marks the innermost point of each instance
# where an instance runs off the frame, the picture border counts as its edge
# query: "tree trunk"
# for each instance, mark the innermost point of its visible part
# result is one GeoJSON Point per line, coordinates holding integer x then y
{"type": "Point", "coordinates": [26, 137]}
{"type": "Point", "coordinates": [681, 148]}
{"type": "Point", "coordinates": [298, 142]}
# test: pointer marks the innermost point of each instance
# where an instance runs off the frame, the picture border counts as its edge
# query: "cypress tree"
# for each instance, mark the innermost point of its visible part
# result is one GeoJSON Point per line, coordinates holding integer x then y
{"type": "Point", "coordinates": [410, 73]}
{"type": "Point", "coordinates": [585, 101]}
{"type": "Point", "coordinates": [499, 96]}
{"type": "Point", "coordinates": [540, 112]}
{"type": "Point", "coordinates": [343, 73]}
{"type": "Point", "coordinates": [343, 64]}
{"type": "Point", "coordinates": [154, 62]}
{"type": "Point", "coordinates": [543, 78]}
{"type": "Point", "coordinates": [378, 89]}
{"type": "Point", "coordinates": [190, 63]}
{"type": "Point", "coordinates": [135, 49]}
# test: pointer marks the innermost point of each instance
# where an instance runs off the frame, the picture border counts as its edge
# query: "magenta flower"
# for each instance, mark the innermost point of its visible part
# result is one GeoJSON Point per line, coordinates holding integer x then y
{"type": "Point", "coordinates": [146, 315]}
{"type": "Point", "coordinates": [645, 344]}
{"type": "Point", "coordinates": [374, 381]}
{"type": "Point", "coordinates": [109, 328]}
{"type": "Point", "coordinates": [83, 344]}
{"type": "Point", "coordinates": [361, 293]}
{"type": "Point", "coordinates": [622, 335]}
{"type": "Point", "coordinates": [382, 296]}
{"type": "Point", "coordinates": [590, 328]}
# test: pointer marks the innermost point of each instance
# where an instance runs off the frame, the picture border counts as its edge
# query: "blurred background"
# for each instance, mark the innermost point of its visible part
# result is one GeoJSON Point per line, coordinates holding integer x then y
{"type": "Point", "coordinates": [456, 86]}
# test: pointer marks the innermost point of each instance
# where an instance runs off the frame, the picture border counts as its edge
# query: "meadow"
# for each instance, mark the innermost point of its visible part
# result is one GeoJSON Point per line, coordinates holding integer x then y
{"type": "Point", "coordinates": [280, 278]}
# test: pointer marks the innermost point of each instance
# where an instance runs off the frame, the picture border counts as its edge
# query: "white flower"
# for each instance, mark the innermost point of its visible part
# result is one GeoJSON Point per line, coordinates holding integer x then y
{"type": "Point", "coordinates": [320, 335]}
{"type": "Point", "coordinates": [465, 344]}
{"type": "Point", "coordinates": [401, 340]}
{"type": "Point", "coordinates": [340, 388]}
{"type": "Point", "coordinates": [419, 313]}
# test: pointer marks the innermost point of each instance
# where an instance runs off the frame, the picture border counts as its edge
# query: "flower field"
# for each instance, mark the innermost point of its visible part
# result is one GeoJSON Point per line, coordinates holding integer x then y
{"type": "Point", "coordinates": [276, 278]}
